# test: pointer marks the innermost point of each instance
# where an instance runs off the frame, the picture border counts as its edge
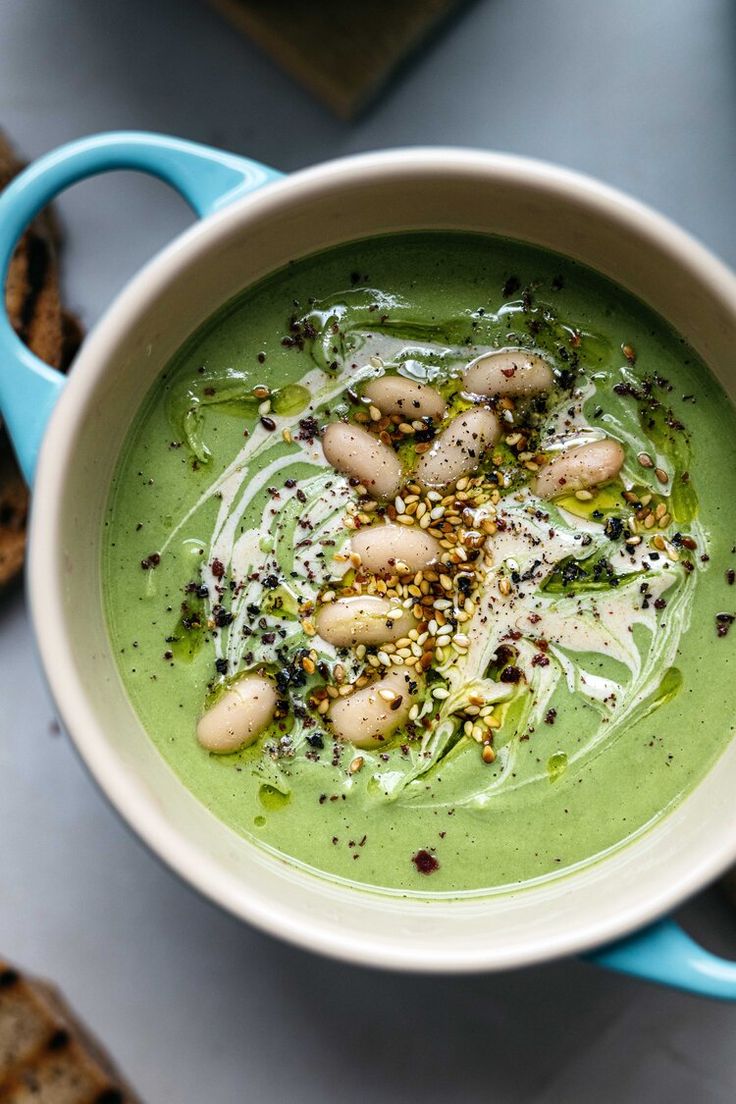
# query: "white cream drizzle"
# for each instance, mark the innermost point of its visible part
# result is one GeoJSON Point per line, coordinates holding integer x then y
{"type": "Point", "coordinates": [590, 623]}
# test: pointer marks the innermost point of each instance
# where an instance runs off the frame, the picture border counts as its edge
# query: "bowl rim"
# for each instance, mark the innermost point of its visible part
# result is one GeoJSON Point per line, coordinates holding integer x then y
{"type": "Point", "coordinates": [135, 806]}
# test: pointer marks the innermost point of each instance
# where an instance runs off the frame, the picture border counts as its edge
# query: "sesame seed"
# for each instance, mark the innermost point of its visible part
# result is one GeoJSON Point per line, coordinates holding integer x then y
{"type": "Point", "coordinates": [323, 706]}
{"type": "Point", "coordinates": [504, 586]}
{"type": "Point", "coordinates": [384, 658]}
{"type": "Point", "coordinates": [405, 519]}
{"type": "Point", "coordinates": [440, 693]}
{"type": "Point", "coordinates": [664, 521]}
{"type": "Point", "coordinates": [661, 475]}
{"type": "Point", "coordinates": [387, 695]}
{"type": "Point", "coordinates": [645, 460]}
{"type": "Point", "coordinates": [414, 712]}
{"type": "Point", "coordinates": [488, 754]}
{"type": "Point", "coordinates": [356, 764]}
{"type": "Point", "coordinates": [375, 413]}
{"type": "Point", "coordinates": [584, 496]}
{"type": "Point", "coordinates": [286, 436]}
{"type": "Point", "coordinates": [309, 627]}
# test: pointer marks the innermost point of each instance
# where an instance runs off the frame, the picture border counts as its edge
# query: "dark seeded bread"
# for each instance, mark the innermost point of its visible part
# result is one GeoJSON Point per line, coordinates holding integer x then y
{"type": "Point", "coordinates": [34, 306]}
{"type": "Point", "coordinates": [46, 1055]}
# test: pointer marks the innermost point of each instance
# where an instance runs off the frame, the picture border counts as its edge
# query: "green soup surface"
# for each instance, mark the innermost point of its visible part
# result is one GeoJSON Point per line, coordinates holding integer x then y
{"type": "Point", "coordinates": [579, 678]}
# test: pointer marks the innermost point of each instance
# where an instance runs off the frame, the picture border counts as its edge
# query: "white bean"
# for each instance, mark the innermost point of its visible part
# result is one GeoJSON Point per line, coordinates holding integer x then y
{"type": "Point", "coordinates": [366, 718]}
{"type": "Point", "coordinates": [357, 452]}
{"type": "Point", "coordinates": [362, 619]}
{"type": "Point", "coordinates": [459, 449]}
{"type": "Point", "coordinates": [238, 718]}
{"type": "Point", "coordinates": [581, 467]}
{"type": "Point", "coordinates": [513, 372]}
{"type": "Point", "coordinates": [398, 395]}
{"type": "Point", "coordinates": [381, 547]}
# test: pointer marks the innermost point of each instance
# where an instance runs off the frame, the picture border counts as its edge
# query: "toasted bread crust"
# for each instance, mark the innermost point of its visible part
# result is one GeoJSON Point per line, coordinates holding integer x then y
{"type": "Point", "coordinates": [33, 302]}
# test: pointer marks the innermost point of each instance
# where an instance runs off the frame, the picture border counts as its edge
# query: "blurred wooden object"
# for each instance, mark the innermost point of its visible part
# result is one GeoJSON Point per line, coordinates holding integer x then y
{"type": "Point", "coordinates": [46, 1055]}
{"type": "Point", "coordinates": [34, 306]}
{"type": "Point", "coordinates": [343, 51]}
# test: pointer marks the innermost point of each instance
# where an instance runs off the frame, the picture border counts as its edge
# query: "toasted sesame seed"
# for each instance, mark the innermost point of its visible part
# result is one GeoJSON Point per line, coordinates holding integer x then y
{"type": "Point", "coordinates": [645, 460]}
{"type": "Point", "coordinates": [446, 582]}
{"type": "Point", "coordinates": [374, 660]}
{"type": "Point", "coordinates": [661, 475]}
{"type": "Point", "coordinates": [286, 436]}
{"type": "Point", "coordinates": [504, 586]}
{"type": "Point", "coordinates": [405, 519]}
{"type": "Point", "coordinates": [356, 764]}
{"type": "Point", "coordinates": [308, 665]}
{"type": "Point", "coordinates": [309, 627]}
{"type": "Point", "coordinates": [360, 651]}
{"type": "Point", "coordinates": [664, 521]}
{"type": "Point", "coordinates": [323, 706]}
{"type": "Point", "coordinates": [488, 754]}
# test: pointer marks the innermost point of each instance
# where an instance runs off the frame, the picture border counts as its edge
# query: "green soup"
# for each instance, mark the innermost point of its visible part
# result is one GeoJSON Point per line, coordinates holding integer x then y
{"type": "Point", "coordinates": [578, 679]}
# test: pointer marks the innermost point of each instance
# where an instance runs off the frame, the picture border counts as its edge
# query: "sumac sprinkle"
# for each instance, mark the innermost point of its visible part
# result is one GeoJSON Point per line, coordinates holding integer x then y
{"type": "Point", "coordinates": [221, 666]}
{"type": "Point", "coordinates": [550, 716]}
{"type": "Point", "coordinates": [223, 617]}
{"type": "Point", "coordinates": [723, 623]}
{"type": "Point", "coordinates": [730, 576]}
{"type": "Point", "coordinates": [512, 284]}
{"type": "Point", "coordinates": [151, 561]}
{"type": "Point", "coordinates": [218, 568]}
{"type": "Point", "coordinates": [425, 862]}
{"type": "Point", "coordinates": [511, 674]}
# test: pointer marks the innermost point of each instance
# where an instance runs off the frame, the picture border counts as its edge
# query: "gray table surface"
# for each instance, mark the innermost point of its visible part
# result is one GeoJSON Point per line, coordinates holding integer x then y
{"type": "Point", "coordinates": [195, 1006]}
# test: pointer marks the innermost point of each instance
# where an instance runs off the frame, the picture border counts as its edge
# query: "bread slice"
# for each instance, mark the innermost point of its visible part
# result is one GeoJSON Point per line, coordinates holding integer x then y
{"type": "Point", "coordinates": [33, 302]}
{"type": "Point", "coordinates": [46, 1055]}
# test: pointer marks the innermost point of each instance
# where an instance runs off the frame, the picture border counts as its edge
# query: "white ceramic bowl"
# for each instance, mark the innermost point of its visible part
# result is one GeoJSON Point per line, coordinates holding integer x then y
{"type": "Point", "coordinates": [291, 217]}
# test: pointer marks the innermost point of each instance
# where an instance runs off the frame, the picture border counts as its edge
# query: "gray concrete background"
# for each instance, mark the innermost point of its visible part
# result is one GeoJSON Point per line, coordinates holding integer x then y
{"type": "Point", "coordinates": [195, 1006]}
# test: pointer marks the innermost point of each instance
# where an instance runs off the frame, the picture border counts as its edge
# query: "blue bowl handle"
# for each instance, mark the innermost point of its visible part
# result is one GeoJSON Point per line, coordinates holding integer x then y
{"type": "Point", "coordinates": [665, 953]}
{"type": "Point", "coordinates": [208, 179]}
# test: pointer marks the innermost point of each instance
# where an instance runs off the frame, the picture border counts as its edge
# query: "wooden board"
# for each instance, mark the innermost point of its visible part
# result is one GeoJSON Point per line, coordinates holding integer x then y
{"type": "Point", "coordinates": [342, 51]}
